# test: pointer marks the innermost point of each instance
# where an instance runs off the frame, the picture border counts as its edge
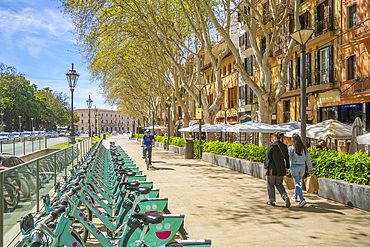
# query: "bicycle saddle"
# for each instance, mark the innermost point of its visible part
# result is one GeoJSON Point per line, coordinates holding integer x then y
{"type": "Point", "coordinates": [129, 173]}
{"type": "Point", "coordinates": [140, 190]}
{"type": "Point", "coordinates": [130, 184]}
{"type": "Point", "coordinates": [121, 163]}
{"type": "Point", "coordinates": [149, 218]}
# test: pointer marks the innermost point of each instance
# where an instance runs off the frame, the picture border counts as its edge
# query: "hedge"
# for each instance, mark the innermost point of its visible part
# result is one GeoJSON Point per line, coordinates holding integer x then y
{"type": "Point", "coordinates": [354, 168]}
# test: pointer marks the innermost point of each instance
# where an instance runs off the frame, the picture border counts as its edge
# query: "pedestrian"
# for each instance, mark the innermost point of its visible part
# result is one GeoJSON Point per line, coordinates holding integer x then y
{"type": "Point", "coordinates": [299, 157]}
{"type": "Point", "coordinates": [276, 167]}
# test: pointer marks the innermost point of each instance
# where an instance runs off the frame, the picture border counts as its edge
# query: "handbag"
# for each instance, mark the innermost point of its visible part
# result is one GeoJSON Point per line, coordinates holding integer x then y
{"type": "Point", "coordinates": [288, 183]}
{"type": "Point", "coordinates": [312, 184]}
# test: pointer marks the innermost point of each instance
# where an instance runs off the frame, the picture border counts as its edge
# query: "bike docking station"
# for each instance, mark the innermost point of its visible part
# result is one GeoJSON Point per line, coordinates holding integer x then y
{"type": "Point", "coordinates": [105, 186]}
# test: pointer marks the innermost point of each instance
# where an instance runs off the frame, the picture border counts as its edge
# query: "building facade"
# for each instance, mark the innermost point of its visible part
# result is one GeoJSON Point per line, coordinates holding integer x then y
{"type": "Point", "coordinates": [104, 121]}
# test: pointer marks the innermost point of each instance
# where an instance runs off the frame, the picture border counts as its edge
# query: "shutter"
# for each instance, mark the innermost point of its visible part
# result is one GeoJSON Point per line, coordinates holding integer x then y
{"type": "Point", "coordinates": [240, 41]}
{"type": "Point", "coordinates": [245, 64]}
{"type": "Point", "coordinates": [252, 65]}
{"type": "Point", "coordinates": [246, 94]}
{"type": "Point", "coordinates": [223, 100]}
{"type": "Point", "coordinates": [271, 46]}
{"type": "Point", "coordinates": [251, 95]}
{"type": "Point", "coordinates": [235, 96]}
{"type": "Point", "coordinates": [297, 79]}
{"type": "Point", "coordinates": [317, 67]}
{"type": "Point", "coordinates": [280, 68]}
{"type": "Point", "coordinates": [331, 63]}
{"type": "Point", "coordinates": [239, 17]}
{"type": "Point", "coordinates": [331, 23]}
{"type": "Point", "coordinates": [307, 19]}
{"type": "Point", "coordinates": [308, 69]}
{"type": "Point", "coordinates": [316, 9]}
{"type": "Point", "coordinates": [355, 67]}
{"type": "Point", "coordinates": [179, 110]}
{"type": "Point", "coordinates": [248, 43]}
{"type": "Point", "coordinates": [248, 65]}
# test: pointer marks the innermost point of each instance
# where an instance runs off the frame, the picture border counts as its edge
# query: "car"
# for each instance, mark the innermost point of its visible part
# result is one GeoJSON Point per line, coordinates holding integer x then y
{"type": "Point", "coordinates": [4, 136]}
{"type": "Point", "coordinates": [35, 133]}
{"type": "Point", "coordinates": [49, 134]}
{"type": "Point", "coordinates": [8, 160]}
{"type": "Point", "coordinates": [68, 133]}
{"type": "Point", "coordinates": [18, 135]}
{"type": "Point", "coordinates": [62, 133]}
{"type": "Point", "coordinates": [27, 134]}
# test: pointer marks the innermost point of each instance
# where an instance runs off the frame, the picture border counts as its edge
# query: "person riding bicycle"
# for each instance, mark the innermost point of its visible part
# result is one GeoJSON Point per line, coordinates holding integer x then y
{"type": "Point", "coordinates": [147, 142]}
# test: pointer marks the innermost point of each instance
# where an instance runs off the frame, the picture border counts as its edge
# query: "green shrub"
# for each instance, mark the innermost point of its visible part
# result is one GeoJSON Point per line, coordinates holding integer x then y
{"type": "Point", "coordinates": [177, 141]}
{"type": "Point", "coordinates": [160, 139]}
{"type": "Point", "coordinates": [354, 168]}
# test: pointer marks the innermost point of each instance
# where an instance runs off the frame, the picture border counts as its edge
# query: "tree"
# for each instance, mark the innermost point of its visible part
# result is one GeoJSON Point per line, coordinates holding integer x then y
{"type": "Point", "coordinates": [270, 21]}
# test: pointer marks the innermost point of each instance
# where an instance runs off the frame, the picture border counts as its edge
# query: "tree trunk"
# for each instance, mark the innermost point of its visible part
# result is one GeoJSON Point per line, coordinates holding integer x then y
{"type": "Point", "coordinates": [264, 115]}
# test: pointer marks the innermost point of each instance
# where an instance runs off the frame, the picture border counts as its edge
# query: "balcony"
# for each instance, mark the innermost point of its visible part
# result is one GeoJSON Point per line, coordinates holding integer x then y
{"type": "Point", "coordinates": [325, 25]}
{"type": "Point", "coordinates": [359, 85]}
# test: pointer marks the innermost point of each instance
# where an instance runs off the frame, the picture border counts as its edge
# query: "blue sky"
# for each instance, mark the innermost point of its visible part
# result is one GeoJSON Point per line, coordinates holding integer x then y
{"type": "Point", "coordinates": [37, 39]}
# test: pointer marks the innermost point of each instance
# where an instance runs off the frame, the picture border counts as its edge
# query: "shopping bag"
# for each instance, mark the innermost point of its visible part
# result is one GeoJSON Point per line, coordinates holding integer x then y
{"type": "Point", "coordinates": [288, 183]}
{"type": "Point", "coordinates": [312, 184]}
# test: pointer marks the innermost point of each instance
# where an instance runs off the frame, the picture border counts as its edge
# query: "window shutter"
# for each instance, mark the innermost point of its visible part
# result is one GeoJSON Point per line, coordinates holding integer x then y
{"type": "Point", "coordinates": [355, 67]}
{"type": "Point", "coordinates": [308, 69]}
{"type": "Point", "coordinates": [317, 67]}
{"type": "Point", "coordinates": [248, 43]}
{"type": "Point", "coordinates": [331, 22]}
{"type": "Point", "coordinates": [251, 93]}
{"type": "Point", "coordinates": [297, 74]}
{"type": "Point", "coordinates": [223, 100]}
{"type": "Point", "coordinates": [240, 41]}
{"type": "Point", "coordinates": [290, 82]}
{"type": "Point", "coordinates": [271, 46]}
{"type": "Point", "coordinates": [235, 96]}
{"type": "Point", "coordinates": [316, 9]}
{"type": "Point", "coordinates": [331, 63]}
{"type": "Point", "coordinates": [280, 69]}
{"type": "Point", "coordinates": [245, 64]}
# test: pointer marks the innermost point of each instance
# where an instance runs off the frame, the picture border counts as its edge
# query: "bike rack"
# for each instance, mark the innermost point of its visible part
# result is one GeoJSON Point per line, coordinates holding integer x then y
{"type": "Point", "coordinates": [84, 147]}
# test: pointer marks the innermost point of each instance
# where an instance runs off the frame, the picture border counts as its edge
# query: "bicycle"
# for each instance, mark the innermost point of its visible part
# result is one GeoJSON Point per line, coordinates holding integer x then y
{"type": "Point", "coordinates": [146, 157]}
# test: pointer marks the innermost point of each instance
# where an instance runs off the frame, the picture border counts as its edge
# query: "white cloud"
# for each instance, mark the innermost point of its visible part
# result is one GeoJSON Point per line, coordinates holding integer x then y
{"type": "Point", "coordinates": [33, 29]}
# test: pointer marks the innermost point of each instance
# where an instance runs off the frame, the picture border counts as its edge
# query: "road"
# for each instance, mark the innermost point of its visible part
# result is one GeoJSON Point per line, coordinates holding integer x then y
{"type": "Point", "coordinates": [24, 147]}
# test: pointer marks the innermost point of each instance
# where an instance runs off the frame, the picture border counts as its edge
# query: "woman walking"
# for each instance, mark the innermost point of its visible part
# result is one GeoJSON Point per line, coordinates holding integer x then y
{"type": "Point", "coordinates": [298, 156]}
{"type": "Point", "coordinates": [276, 167]}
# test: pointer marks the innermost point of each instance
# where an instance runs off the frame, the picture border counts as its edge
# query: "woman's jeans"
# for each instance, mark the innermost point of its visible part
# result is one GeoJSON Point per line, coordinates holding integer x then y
{"type": "Point", "coordinates": [297, 174]}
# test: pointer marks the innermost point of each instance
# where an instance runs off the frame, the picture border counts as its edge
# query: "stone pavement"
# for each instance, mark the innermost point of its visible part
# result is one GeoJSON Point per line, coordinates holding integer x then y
{"type": "Point", "coordinates": [230, 207]}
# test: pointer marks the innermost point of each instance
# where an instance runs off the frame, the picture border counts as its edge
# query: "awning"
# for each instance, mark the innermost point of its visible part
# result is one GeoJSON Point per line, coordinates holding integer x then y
{"type": "Point", "coordinates": [254, 126]}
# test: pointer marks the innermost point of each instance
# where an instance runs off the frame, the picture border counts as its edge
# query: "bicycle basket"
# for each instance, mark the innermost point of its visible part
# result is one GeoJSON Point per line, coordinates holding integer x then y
{"type": "Point", "coordinates": [27, 223]}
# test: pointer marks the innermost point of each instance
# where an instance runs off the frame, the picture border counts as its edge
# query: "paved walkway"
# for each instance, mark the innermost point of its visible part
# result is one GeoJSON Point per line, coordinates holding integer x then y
{"type": "Point", "coordinates": [230, 208]}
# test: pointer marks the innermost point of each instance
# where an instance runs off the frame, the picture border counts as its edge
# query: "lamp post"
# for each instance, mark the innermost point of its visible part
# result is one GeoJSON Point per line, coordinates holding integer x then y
{"type": "Point", "coordinates": [301, 37]}
{"type": "Point", "coordinates": [225, 110]}
{"type": "Point", "coordinates": [31, 123]}
{"type": "Point", "coordinates": [20, 125]}
{"type": "Point", "coordinates": [200, 86]}
{"type": "Point", "coordinates": [72, 78]}
{"type": "Point", "coordinates": [95, 113]}
{"type": "Point", "coordinates": [153, 121]}
{"type": "Point", "coordinates": [2, 123]}
{"type": "Point", "coordinates": [49, 125]}
{"type": "Point", "coordinates": [89, 102]}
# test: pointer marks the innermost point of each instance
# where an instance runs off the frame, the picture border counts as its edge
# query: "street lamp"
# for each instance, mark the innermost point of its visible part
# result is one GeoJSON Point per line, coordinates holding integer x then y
{"type": "Point", "coordinates": [31, 123]}
{"type": "Point", "coordinates": [301, 37]}
{"type": "Point", "coordinates": [225, 110]}
{"type": "Point", "coordinates": [20, 125]}
{"type": "Point", "coordinates": [200, 86]}
{"type": "Point", "coordinates": [89, 104]}
{"type": "Point", "coordinates": [95, 113]}
{"type": "Point", "coordinates": [49, 125]}
{"type": "Point", "coordinates": [72, 78]}
{"type": "Point", "coordinates": [2, 123]}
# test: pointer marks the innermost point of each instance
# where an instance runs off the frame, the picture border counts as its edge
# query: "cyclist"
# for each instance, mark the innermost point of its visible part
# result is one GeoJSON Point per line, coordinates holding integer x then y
{"type": "Point", "coordinates": [147, 142]}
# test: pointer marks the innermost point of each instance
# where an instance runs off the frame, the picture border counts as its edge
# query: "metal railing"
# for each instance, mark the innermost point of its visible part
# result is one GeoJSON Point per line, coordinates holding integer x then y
{"type": "Point", "coordinates": [21, 146]}
{"type": "Point", "coordinates": [22, 185]}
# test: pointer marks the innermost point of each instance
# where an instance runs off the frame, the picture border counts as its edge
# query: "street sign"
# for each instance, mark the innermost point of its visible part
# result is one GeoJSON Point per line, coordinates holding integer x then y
{"type": "Point", "coordinates": [198, 114]}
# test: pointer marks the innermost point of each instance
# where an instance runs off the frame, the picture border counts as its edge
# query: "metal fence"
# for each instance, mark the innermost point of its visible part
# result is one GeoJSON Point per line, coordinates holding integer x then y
{"type": "Point", "coordinates": [23, 185]}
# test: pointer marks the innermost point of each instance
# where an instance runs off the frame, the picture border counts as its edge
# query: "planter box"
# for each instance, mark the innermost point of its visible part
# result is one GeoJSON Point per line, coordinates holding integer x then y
{"type": "Point", "coordinates": [353, 195]}
{"type": "Point", "coordinates": [182, 150]}
{"type": "Point", "coordinates": [244, 166]}
{"type": "Point", "coordinates": [174, 149]}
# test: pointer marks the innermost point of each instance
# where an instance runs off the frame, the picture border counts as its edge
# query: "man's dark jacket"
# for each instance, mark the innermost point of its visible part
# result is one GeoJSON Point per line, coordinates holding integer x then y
{"type": "Point", "coordinates": [274, 161]}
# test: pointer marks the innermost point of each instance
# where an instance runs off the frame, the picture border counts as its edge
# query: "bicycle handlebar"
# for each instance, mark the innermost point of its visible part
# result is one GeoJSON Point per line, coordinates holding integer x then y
{"type": "Point", "coordinates": [36, 238]}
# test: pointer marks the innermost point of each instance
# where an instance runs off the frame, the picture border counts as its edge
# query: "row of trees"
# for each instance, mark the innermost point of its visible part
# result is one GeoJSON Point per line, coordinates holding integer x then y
{"type": "Point", "coordinates": [145, 53]}
{"type": "Point", "coordinates": [18, 97]}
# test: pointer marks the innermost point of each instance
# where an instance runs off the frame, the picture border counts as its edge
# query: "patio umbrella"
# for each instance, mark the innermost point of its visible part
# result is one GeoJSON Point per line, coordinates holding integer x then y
{"type": "Point", "coordinates": [157, 127]}
{"type": "Point", "coordinates": [186, 129]}
{"type": "Point", "coordinates": [357, 130]}
{"type": "Point", "coordinates": [291, 125]}
{"type": "Point", "coordinates": [363, 139]}
{"type": "Point", "coordinates": [327, 129]}
{"type": "Point", "coordinates": [254, 126]}
{"type": "Point", "coordinates": [221, 127]}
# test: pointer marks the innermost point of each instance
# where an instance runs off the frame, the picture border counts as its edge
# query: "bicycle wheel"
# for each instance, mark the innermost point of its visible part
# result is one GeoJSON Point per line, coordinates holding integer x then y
{"type": "Point", "coordinates": [77, 226]}
{"type": "Point", "coordinates": [78, 238]}
{"type": "Point", "coordinates": [147, 159]}
{"type": "Point", "coordinates": [22, 186]}
{"type": "Point", "coordinates": [11, 196]}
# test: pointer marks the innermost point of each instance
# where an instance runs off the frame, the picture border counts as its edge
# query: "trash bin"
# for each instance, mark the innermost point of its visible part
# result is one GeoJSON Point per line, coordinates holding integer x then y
{"type": "Point", "coordinates": [104, 136]}
{"type": "Point", "coordinates": [189, 148]}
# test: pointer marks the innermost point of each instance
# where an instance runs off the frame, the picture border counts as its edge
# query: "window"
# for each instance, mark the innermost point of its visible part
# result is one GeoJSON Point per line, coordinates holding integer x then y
{"type": "Point", "coordinates": [229, 67]}
{"type": "Point", "coordinates": [286, 111]}
{"type": "Point", "coordinates": [107, 115]}
{"type": "Point", "coordinates": [266, 12]}
{"type": "Point", "coordinates": [224, 70]}
{"type": "Point", "coordinates": [351, 67]}
{"type": "Point", "coordinates": [303, 20]}
{"type": "Point", "coordinates": [249, 65]}
{"type": "Point", "coordinates": [263, 45]}
{"type": "Point", "coordinates": [352, 15]}
{"type": "Point", "coordinates": [328, 113]}
{"type": "Point", "coordinates": [115, 115]}
{"type": "Point", "coordinates": [82, 121]}
{"type": "Point", "coordinates": [82, 128]}
{"type": "Point", "coordinates": [82, 115]}
{"type": "Point", "coordinates": [324, 65]}
{"type": "Point", "coordinates": [111, 115]}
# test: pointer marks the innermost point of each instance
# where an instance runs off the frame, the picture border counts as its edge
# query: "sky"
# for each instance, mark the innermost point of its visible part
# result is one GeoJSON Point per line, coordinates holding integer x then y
{"type": "Point", "coordinates": [38, 40]}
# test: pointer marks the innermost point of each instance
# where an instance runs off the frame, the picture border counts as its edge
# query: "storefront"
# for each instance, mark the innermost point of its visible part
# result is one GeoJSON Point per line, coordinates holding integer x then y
{"type": "Point", "coordinates": [348, 113]}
